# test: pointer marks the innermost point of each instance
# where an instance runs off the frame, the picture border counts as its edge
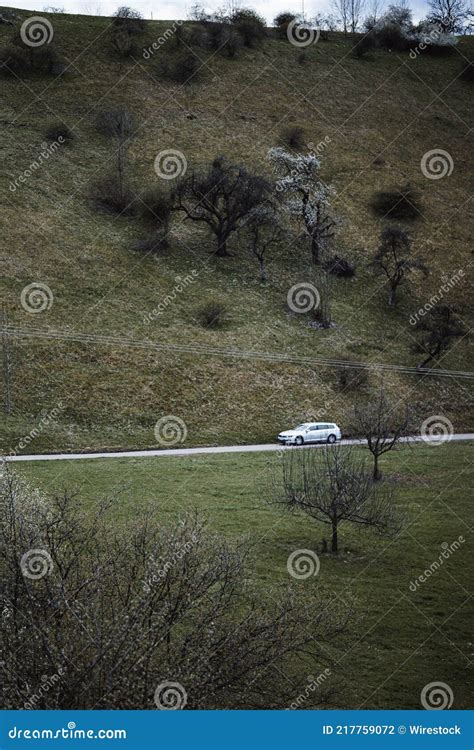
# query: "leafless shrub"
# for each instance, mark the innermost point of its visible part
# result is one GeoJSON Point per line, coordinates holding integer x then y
{"type": "Point", "coordinates": [212, 314]}
{"type": "Point", "coordinates": [118, 612]}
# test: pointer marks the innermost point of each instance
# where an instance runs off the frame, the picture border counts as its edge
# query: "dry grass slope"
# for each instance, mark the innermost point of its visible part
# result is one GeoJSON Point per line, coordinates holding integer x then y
{"type": "Point", "coordinates": [380, 116]}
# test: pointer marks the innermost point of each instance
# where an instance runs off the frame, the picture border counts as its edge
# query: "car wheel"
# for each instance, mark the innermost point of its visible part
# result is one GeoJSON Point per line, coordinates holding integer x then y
{"type": "Point", "coordinates": [331, 438]}
{"type": "Point", "coordinates": [299, 440]}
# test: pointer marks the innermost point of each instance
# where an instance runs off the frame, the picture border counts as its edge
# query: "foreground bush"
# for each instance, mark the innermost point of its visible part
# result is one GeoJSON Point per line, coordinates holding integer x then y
{"type": "Point", "coordinates": [212, 314]}
{"type": "Point", "coordinates": [60, 132]}
{"type": "Point", "coordinates": [112, 614]}
{"type": "Point", "coordinates": [183, 68]}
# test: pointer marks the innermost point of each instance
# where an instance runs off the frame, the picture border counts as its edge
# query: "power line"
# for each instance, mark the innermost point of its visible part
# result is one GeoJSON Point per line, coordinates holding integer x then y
{"type": "Point", "coordinates": [199, 349]}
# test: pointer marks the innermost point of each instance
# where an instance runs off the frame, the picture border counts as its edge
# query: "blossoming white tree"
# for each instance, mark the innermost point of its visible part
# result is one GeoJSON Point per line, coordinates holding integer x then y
{"type": "Point", "coordinates": [305, 195]}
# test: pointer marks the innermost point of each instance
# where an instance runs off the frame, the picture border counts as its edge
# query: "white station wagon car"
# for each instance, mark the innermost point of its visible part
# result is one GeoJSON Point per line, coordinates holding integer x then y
{"type": "Point", "coordinates": [311, 432]}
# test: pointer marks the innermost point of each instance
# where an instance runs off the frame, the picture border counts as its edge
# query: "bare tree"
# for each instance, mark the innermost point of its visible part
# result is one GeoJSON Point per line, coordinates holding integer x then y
{"type": "Point", "coordinates": [451, 15]}
{"type": "Point", "coordinates": [222, 197]}
{"type": "Point", "coordinates": [264, 231]}
{"type": "Point", "coordinates": [382, 423]}
{"type": "Point", "coordinates": [393, 259]}
{"type": "Point", "coordinates": [342, 8]}
{"type": "Point", "coordinates": [305, 195]}
{"type": "Point", "coordinates": [332, 485]}
{"type": "Point", "coordinates": [356, 8]}
{"type": "Point", "coordinates": [119, 125]}
{"type": "Point", "coordinates": [7, 365]}
{"type": "Point", "coordinates": [438, 330]}
{"type": "Point", "coordinates": [121, 611]}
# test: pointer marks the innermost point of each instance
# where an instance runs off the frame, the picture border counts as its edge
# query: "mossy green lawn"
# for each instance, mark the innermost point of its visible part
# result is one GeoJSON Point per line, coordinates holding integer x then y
{"type": "Point", "coordinates": [397, 640]}
{"type": "Point", "coordinates": [380, 115]}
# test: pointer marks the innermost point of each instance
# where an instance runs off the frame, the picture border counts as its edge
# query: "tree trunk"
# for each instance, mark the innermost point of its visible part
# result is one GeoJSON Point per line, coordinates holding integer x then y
{"type": "Point", "coordinates": [221, 250]}
{"type": "Point", "coordinates": [334, 547]}
{"type": "Point", "coordinates": [376, 476]}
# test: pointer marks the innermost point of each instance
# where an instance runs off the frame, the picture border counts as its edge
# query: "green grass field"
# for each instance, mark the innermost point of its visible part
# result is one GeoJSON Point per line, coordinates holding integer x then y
{"type": "Point", "coordinates": [397, 640]}
{"type": "Point", "coordinates": [381, 115]}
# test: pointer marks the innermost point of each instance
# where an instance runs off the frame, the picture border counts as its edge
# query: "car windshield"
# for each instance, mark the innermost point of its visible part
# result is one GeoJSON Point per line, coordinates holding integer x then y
{"type": "Point", "coordinates": [300, 426]}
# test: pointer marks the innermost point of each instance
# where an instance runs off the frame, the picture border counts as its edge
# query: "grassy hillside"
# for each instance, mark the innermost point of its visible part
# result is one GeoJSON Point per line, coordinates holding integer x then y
{"type": "Point", "coordinates": [398, 638]}
{"type": "Point", "coordinates": [380, 114]}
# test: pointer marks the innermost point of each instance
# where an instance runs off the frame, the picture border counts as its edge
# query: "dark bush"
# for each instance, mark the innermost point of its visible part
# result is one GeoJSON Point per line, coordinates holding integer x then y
{"type": "Point", "coordinates": [182, 68]}
{"type": "Point", "coordinates": [20, 60]}
{"type": "Point", "coordinates": [121, 45]}
{"type": "Point", "coordinates": [340, 267]}
{"type": "Point", "coordinates": [293, 136]}
{"type": "Point", "coordinates": [111, 196]}
{"type": "Point", "coordinates": [212, 314]}
{"type": "Point", "coordinates": [250, 26]}
{"type": "Point", "coordinates": [282, 21]}
{"type": "Point", "coordinates": [156, 207]}
{"type": "Point", "coordinates": [390, 36]}
{"type": "Point", "coordinates": [230, 41]}
{"type": "Point", "coordinates": [437, 50]}
{"type": "Point", "coordinates": [129, 20]}
{"type": "Point", "coordinates": [468, 72]}
{"type": "Point", "coordinates": [60, 132]}
{"type": "Point", "coordinates": [365, 44]}
{"type": "Point", "coordinates": [401, 203]}
{"type": "Point", "coordinates": [13, 61]}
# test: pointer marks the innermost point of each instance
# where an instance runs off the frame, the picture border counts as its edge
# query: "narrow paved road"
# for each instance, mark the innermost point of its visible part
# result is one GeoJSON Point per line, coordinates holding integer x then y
{"type": "Point", "coordinates": [196, 451]}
